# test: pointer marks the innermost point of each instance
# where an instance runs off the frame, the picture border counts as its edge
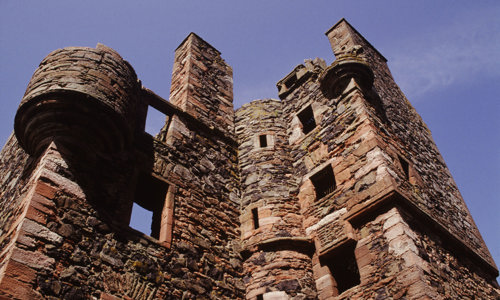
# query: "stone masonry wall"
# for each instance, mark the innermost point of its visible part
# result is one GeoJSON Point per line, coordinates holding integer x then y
{"type": "Point", "coordinates": [278, 263]}
{"type": "Point", "coordinates": [436, 193]}
{"type": "Point", "coordinates": [241, 213]}
{"type": "Point", "coordinates": [14, 172]}
{"type": "Point", "coordinates": [205, 237]}
{"type": "Point", "coordinates": [97, 255]}
{"type": "Point", "coordinates": [399, 258]}
{"type": "Point", "coordinates": [265, 174]}
{"type": "Point", "coordinates": [73, 240]}
{"type": "Point", "coordinates": [202, 84]}
{"type": "Point", "coordinates": [351, 136]}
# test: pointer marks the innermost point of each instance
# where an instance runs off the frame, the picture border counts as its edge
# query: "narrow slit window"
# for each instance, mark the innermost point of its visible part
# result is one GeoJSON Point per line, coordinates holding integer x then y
{"type": "Point", "coordinates": [405, 166]}
{"type": "Point", "coordinates": [263, 140]}
{"type": "Point", "coordinates": [150, 198]}
{"type": "Point", "coordinates": [255, 216]}
{"type": "Point", "coordinates": [306, 117]}
{"type": "Point", "coordinates": [324, 182]}
{"type": "Point", "coordinates": [343, 267]}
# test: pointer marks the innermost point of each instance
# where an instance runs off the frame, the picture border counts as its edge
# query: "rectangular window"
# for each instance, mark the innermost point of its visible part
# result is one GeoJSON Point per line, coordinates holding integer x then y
{"type": "Point", "coordinates": [151, 199]}
{"type": "Point", "coordinates": [324, 182]}
{"type": "Point", "coordinates": [343, 267]}
{"type": "Point", "coordinates": [291, 80]}
{"type": "Point", "coordinates": [260, 297]}
{"type": "Point", "coordinates": [306, 117]}
{"type": "Point", "coordinates": [255, 216]}
{"type": "Point", "coordinates": [405, 166]}
{"type": "Point", "coordinates": [263, 140]}
{"type": "Point", "coordinates": [156, 121]}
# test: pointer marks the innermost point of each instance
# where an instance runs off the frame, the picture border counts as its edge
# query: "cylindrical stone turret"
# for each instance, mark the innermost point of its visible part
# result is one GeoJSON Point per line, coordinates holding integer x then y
{"type": "Point", "coordinates": [271, 224]}
{"type": "Point", "coordinates": [80, 96]}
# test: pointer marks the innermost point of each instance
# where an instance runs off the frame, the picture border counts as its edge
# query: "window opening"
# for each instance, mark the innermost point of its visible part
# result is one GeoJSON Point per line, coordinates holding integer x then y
{"type": "Point", "coordinates": [260, 297]}
{"type": "Point", "coordinates": [150, 196]}
{"type": "Point", "coordinates": [343, 267]}
{"type": "Point", "coordinates": [141, 219]}
{"type": "Point", "coordinates": [405, 166]}
{"type": "Point", "coordinates": [263, 141]}
{"type": "Point", "coordinates": [155, 121]}
{"type": "Point", "coordinates": [324, 182]}
{"type": "Point", "coordinates": [255, 215]}
{"type": "Point", "coordinates": [290, 81]}
{"type": "Point", "coordinates": [306, 117]}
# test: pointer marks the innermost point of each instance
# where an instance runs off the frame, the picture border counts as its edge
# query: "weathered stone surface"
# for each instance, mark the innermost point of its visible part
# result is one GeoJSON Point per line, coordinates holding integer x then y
{"type": "Point", "coordinates": [335, 191]}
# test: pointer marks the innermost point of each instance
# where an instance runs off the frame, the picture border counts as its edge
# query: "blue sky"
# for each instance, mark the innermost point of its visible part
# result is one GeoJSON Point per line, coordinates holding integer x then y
{"type": "Point", "coordinates": [443, 54]}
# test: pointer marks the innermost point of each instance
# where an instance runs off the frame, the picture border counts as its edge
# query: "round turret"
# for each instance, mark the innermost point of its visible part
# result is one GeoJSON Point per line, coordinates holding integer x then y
{"type": "Point", "coordinates": [271, 222]}
{"type": "Point", "coordinates": [80, 96]}
{"type": "Point", "coordinates": [265, 168]}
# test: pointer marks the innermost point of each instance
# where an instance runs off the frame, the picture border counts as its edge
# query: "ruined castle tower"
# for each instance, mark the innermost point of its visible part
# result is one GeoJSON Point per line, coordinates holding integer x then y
{"type": "Point", "coordinates": [335, 191]}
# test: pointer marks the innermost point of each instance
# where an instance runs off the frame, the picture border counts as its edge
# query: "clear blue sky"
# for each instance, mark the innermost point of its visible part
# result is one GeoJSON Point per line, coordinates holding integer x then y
{"type": "Point", "coordinates": [443, 54]}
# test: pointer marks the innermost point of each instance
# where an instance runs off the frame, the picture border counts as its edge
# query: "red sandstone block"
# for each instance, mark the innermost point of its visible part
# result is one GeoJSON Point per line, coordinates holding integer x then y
{"type": "Point", "coordinates": [320, 271]}
{"type": "Point", "coordinates": [42, 204]}
{"type": "Point", "coordinates": [20, 272]}
{"type": "Point", "coordinates": [327, 292]}
{"type": "Point", "coordinates": [45, 190]}
{"type": "Point", "coordinates": [36, 215]}
{"type": "Point", "coordinates": [25, 240]}
{"type": "Point", "coordinates": [14, 289]}
{"type": "Point", "coordinates": [32, 259]}
{"type": "Point", "coordinates": [362, 250]}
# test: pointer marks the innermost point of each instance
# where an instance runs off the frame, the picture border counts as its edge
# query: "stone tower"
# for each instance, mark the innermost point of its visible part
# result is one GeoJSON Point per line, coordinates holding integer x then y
{"type": "Point", "coordinates": [335, 191]}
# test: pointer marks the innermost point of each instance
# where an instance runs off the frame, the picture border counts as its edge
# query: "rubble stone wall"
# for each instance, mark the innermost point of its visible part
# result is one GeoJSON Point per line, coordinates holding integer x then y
{"type": "Point", "coordinates": [203, 169]}
{"type": "Point", "coordinates": [271, 224]}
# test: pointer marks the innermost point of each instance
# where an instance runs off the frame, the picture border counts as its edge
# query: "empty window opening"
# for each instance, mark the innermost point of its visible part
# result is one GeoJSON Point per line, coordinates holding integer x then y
{"type": "Point", "coordinates": [306, 117]}
{"type": "Point", "coordinates": [150, 196]}
{"type": "Point", "coordinates": [324, 182]}
{"type": "Point", "coordinates": [255, 216]}
{"type": "Point", "coordinates": [141, 219]}
{"type": "Point", "coordinates": [260, 297]}
{"type": "Point", "coordinates": [155, 121]}
{"type": "Point", "coordinates": [405, 166]}
{"type": "Point", "coordinates": [343, 267]}
{"type": "Point", "coordinates": [290, 81]}
{"type": "Point", "coordinates": [263, 140]}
